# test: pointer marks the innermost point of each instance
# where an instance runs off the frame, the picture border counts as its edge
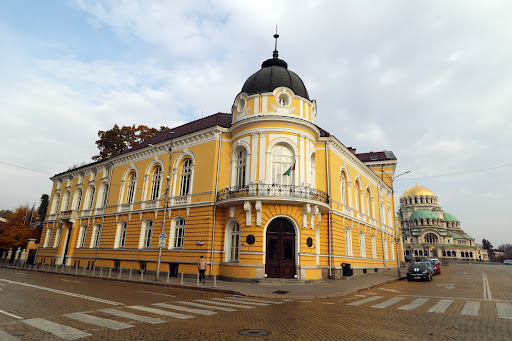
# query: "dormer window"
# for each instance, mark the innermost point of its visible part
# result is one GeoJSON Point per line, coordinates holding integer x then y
{"type": "Point", "coordinates": [283, 100]}
{"type": "Point", "coordinates": [241, 104]}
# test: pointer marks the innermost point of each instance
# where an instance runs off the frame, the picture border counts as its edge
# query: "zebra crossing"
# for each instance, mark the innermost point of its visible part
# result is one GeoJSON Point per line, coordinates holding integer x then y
{"type": "Point", "coordinates": [173, 309]}
{"type": "Point", "coordinates": [470, 308]}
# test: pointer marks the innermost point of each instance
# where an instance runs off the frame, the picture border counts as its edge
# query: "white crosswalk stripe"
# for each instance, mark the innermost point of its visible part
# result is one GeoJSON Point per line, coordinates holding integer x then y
{"type": "Point", "coordinates": [366, 300]}
{"type": "Point", "coordinates": [185, 309]}
{"type": "Point", "coordinates": [251, 300]}
{"type": "Point", "coordinates": [6, 337]}
{"type": "Point", "coordinates": [504, 310]}
{"type": "Point", "coordinates": [62, 331]}
{"type": "Point", "coordinates": [98, 321]}
{"type": "Point", "coordinates": [131, 316]}
{"type": "Point", "coordinates": [389, 302]}
{"type": "Point", "coordinates": [471, 308]}
{"type": "Point", "coordinates": [193, 304]}
{"type": "Point", "coordinates": [240, 301]}
{"type": "Point", "coordinates": [414, 304]}
{"type": "Point", "coordinates": [161, 312]}
{"type": "Point", "coordinates": [440, 306]}
{"type": "Point", "coordinates": [226, 304]}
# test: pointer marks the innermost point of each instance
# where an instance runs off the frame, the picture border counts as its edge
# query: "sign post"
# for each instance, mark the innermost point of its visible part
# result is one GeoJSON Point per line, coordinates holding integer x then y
{"type": "Point", "coordinates": [162, 239]}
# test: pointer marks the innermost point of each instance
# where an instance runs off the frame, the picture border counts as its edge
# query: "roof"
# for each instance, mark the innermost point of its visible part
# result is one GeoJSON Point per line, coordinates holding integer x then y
{"type": "Point", "coordinates": [424, 214]}
{"type": "Point", "coordinates": [455, 235]}
{"type": "Point", "coordinates": [449, 217]}
{"type": "Point", "coordinates": [416, 191]}
{"type": "Point", "coordinates": [376, 156]}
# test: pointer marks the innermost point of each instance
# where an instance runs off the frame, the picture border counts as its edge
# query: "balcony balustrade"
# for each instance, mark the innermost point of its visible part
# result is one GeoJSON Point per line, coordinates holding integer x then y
{"type": "Point", "coordinates": [273, 190]}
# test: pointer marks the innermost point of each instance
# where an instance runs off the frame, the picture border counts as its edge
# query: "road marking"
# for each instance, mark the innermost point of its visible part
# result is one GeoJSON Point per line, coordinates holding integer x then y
{"type": "Point", "coordinates": [131, 316]}
{"type": "Point", "coordinates": [447, 286]}
{"type": "Point", "coordinates": [6, 337]}
{"type": "Point", "coordinates": [504, 310]}
{"type": "Point", "coordinates": [487, 289]}
{"type": "Point", "coordinates": [250, 300]}
{"type": "Point", "coordinates": [11, 315]}
{"type": "Point", "coordinates": [64, 332]}
{"type": "Point", "coordinates": [392, 290]}
{"type": "Point", "coordinates": [471, 308]}
{"type": "Point", "coordinates": [414, 304]}
{"type": "Point", "coordinates": [185, 309]}
{"type": "Point", "coordinates": [226, 304]}
{"type": "Point", "coordinates": [62, 292]}
{"type": "Point", "coordinates": [98, 321]}
{"type": "Point", "coordinates": [21, 273]}
{"type": "Point", "coordinates": [161, 312]}
{"type": "Point", "coordinates": [366, 300]}
{"type": "Point", "coordinates": [456, 298]}
{"type": "Point", "coordinates": [441, 306]}
{"type": "Point", "coordinates": [68, 280]}
{"type": "Point", "coordinates": [389, 302]}
{"type": "Point", "coordinates": [156, 293]}
{"type": "Point", "coordinates": [328, 303]}
{"type": "Point", "coordinates": [240, 301]}
{"type": "Point", "coordinates": [206, 306]}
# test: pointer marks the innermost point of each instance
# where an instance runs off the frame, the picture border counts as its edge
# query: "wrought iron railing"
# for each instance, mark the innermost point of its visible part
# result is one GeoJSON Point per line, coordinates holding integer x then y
{"type": "Point", "coordinates": [273, 190]}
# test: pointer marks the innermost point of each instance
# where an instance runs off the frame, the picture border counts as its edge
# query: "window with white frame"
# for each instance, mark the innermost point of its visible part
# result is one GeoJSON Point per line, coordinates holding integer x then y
{"type": "Point", "coordinates": [234, 241]}
{"type": "Point", "coordinates": [186, 175]}
{"type": "Point", "coordinates": [146, 234]}
{"type": "Point", "coordinates": [96, 236]}
{"type": "Point", "coordinates": [156, 183]}
{"type": "Point", "coordinates": [48, 237]}
{"type": "Point", "coordinates": [368, 203]}
{"type": "Point", "coordinates": [362, 245]}
{"type": "Point", "coordinates": [390, 220]}
{"type": "Point", "coordinates": [81, 236]}
{"type": "Point", "coordinates": [178, 233]}
{"type": "Point", "coordinates": [282, 161]}
{"type": "Point", "coordinates": [241, 163]}
{"type": "Point", "coordinates": [385, 246]}
{"type": "Point", "coordinates": [56, 203]}
{"type": "Point", "coordinates": [357, 196]}
{"type": "Point", "coordinates": [78, 199]}
{"type": "Point", "coordinates": [313, 170]}
{"type": "Point", "coordinates": [104, 196]}
{"type": "Point", "coordinates": [348, 241]}
{"type": "Point", "coordinates": [392, 250]}
{"type": "Point", "coordinates": [122, 229]}
{"type": "Point", "coordinates": [374, 247]}
{"type": "Point", "coordinates": [65, 202]}
{"type": "Point", "coordinates": [343, 184]}
{"type": "Point", "coordinates": [90, 197]}
{"type": "Point", "coordinates": [132, 182]}
{"type": "Point", "coordinates": [57, 237]}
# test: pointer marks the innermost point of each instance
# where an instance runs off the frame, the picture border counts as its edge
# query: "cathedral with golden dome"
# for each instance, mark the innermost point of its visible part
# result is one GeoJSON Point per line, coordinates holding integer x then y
{"type": "Point", "coordinates": [429, 231]}
{"type": "Point", "coordinates": [260, 192]}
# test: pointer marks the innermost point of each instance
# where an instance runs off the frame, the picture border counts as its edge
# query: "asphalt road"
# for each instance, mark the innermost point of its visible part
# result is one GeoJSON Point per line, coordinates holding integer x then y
{"type": "Point", "coordinates": [465, 302]}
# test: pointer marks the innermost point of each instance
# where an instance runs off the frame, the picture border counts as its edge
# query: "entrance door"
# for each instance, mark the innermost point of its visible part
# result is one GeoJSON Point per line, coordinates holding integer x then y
{"type": "Point", "coordinates": [280, 256]}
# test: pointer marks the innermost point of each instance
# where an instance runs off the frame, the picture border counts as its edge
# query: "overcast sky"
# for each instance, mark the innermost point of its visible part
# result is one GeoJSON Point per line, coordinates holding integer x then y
{"type": "Point", "coordinates": [429, 80]}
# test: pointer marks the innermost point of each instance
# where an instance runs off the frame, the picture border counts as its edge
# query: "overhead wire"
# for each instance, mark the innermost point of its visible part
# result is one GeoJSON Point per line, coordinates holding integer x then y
{"type": "Point", "coordinates": [456, 173]}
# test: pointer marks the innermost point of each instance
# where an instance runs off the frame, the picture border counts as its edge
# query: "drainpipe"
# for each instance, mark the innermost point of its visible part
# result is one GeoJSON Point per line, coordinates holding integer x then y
{"type": "Point", "coordinates": [215, 204]}
{"type": "Point", "coordinates": [329, 214]}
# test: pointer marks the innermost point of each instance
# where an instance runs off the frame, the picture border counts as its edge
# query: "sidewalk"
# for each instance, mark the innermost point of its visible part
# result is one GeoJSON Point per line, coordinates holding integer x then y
{"type": "Point", "coordinates": [318, 290]}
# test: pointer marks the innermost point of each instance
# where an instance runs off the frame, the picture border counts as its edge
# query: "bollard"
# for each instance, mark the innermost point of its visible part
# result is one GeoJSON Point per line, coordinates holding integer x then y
{"type": "Point", "coordinates": [94, 271]}
{"type": "Point", "coordinates": [168, 274]}
{"type": "Point", "coordinates": [181, 279]}
{"type": "Point", "coordinates": [141, 275]}
{"type": "Point", "coordinates": [84, 271]}
{"type": "Point", "coordinates": [109, 272]}
{"type": "Point", "coordinates": [197, 280]}
{"type": "Point", "coordinates": [130, 275]}
{"type": "Point", "coordinates": [55, 267]}
{"type": "Point", "coordinates": [214, 281]}
{"type": "Point", "coordinates": [101, 270]}
{"type": "Point", "coordinates": [120, 270]}
{"type": "Point", "coordinates": [76, 270]}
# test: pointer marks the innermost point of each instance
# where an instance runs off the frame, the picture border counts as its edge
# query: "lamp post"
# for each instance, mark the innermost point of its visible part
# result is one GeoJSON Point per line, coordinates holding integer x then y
{"type": "Point", "coordinates": [166, 194]}
{"type": "Point", "coordinates": [394, 225]}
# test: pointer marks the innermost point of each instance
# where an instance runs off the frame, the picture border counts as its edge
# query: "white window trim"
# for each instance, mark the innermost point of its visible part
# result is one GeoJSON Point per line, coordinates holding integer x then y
{"type": "Point", "coordinates": [362, 244]}
{"type": "Point", "coordinates": [348, 241]}
{"type": "Point", "coordinates": [118, 235]}
{"type": "Point", "coordinates": [374, 246]}
{"type": "Point", "coordinates": [228, 240]}
{"type": "Point", "coordinates": [95, 236]}
{"type": "Point", "coordinates": [81, 236]}
{"type": "Point", "coordinates": [172, 233]}
{"type": "Point", "coordinates": [146, 225]}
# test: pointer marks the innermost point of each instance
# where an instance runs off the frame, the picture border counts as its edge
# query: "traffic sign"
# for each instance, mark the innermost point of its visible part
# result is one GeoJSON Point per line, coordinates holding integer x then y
{"type": "Point", "coordinates": [162, 239]}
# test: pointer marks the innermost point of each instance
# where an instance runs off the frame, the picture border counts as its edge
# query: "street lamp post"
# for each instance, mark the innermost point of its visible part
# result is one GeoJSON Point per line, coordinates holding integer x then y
{"type": "Point", "coordinates": [397, 243]}
{"type": "Point", "coordinates": [166, 194]}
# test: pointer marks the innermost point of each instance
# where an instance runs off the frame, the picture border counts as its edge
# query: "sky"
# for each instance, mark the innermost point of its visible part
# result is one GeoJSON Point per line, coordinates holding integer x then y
{"type": "Point", "coordinates": [429, 80]}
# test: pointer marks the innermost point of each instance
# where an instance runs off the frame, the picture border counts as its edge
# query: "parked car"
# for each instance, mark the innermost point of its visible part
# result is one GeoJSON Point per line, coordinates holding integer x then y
{"type": "Point", "coordinates": [419, 271]}
{"type": "Point", "coordinates": [408, 258]}
{"type": "Point", "coordinates": [421, 259]}
{"type": "Point", "coordinates": [430, 267]}
{"type": "Point", "coordinates": [507, 261]}
{"type": "Point", "coordinates": [437, 268]}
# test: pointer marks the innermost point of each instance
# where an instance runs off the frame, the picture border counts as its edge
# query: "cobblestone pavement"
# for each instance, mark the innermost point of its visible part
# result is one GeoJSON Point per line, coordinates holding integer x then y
{"type": "Point", "coordinates": [470, 302]}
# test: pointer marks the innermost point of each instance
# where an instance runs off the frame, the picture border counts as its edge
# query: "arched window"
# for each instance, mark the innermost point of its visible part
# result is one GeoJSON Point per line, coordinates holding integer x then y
{"type": "Point", "coordinates": [96, 236]}
{"type": "Point", "coordinates": [241, 163]}
{"type": "Point", "coordinates": [430, 238]}
{"type": "Point", "coordinates": [156, 183]}
{"type": "Point", "coordinates": [186, 174]}
{"type": "Point", "coordinates": [81, 236]}
{"type": "Point", "coordinates": [313, 170]}
{"type": "Point", "coordinates": [132, 182]}
{"type": "Point", "coordinates": [390, 219]}
{"type": "Point", "coordinates": [368, 203]}
{"type": "Point", "coordinates": [385, 250]}
{"type": "Point", "coordinates": [57, 237]}
{"type": "Point", "coordinates": [234, 241]}
{"type": "Point", "coordinates": [77, 201]}
{"type": "Point", "coordinates": [392, 250]}
{"type": "Point", "coordinates": [104, 196]}
{"type": "Point", "coordinates": [374, 247]}
{"type": "Point", "coordinates": [362, 246]}
{"type": "Point", "coordinates": [56, 203]}
{"type": "Point", "coordinates": [449, 253]}
{"type": "Point", "coordinates": [90, 197]}
{"type": "Point", "coordinates": [415, 252]}
{"type": "Point", "coordinates": [407, 252]}
{"type": "Point", "coordinates": [282, 161]}
{"type": "Point", "coordinates": [65, 202]}
{"type": "Point", "coordinates": [348, 241]}
{"type": "Point", "coordinates": [122, 229]}
{"type": "Point", "coordinates": [146, 234]}
{"type": "Point", "coordinates": [357, 196]}
{"type": "Point", "coordinates": [343, 185]}
{"type": "Point", "coordinates": [48, 237]}
{"type": "Point", "coordinates": [421, 252]}
{"type": "Point", "coordinates": [178, 233]}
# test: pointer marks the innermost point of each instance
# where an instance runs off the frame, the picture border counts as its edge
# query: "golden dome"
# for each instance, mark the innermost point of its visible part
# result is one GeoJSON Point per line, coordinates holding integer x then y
{"type": "Point", "coordinates": [417, 191]}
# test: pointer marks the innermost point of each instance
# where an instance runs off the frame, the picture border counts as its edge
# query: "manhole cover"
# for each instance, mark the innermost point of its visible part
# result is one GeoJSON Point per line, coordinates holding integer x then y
{"type": "Point", "coordinates": [253, 332]}
{"type": "Point", "coordinates": [280, 292]}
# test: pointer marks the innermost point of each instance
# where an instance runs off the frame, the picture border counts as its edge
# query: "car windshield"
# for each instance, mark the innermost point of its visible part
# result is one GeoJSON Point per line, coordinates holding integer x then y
{"type": "Point", "coordinates": [422, 266]}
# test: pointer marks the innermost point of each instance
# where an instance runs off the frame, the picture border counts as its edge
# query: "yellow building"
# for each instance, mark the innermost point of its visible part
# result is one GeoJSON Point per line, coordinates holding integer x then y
{"type": "Point", "coordinates": [260, 192]}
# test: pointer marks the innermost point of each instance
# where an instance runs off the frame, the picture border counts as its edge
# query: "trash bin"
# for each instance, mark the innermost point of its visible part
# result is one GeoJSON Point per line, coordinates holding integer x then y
{"type": "Point", "coordinates": [347, 269]}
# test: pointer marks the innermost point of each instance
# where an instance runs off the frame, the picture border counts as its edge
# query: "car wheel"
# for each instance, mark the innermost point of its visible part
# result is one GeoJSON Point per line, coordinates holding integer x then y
{"type": "Point", "coordinates": [409, 279]}
{"type": "Point", "coordinates": [430, 277]}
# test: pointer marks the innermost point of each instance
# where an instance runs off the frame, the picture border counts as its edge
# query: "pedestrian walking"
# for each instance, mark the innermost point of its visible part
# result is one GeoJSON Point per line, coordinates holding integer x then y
{"type": "Point", "coordinates": [201, 265]}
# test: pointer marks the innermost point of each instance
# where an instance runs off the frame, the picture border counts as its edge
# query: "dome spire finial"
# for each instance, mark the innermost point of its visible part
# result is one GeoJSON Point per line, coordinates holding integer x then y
{"type": "Point", "coordinates": [275, 54]}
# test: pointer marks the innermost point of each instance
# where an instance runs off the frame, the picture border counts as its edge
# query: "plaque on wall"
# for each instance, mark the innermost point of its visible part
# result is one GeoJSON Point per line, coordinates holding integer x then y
{"type": "Point", "coordinates": [310, 242]}
{"type": "Point", "coordinates": [251, 239]}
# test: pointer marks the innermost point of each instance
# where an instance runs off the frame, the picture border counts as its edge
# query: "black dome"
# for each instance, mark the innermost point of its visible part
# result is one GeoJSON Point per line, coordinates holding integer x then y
{"type": "Point", "coordinates": [274, 73]}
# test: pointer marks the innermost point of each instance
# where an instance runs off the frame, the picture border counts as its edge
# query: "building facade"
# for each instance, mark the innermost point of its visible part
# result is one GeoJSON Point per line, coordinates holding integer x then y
{"type": "Point", "coordinates": [429, 231]}
{"type": "Point", "coordinates": [259, 192]}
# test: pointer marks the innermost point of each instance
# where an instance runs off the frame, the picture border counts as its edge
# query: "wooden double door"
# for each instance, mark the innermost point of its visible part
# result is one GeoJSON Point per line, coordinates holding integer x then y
{"type": "Point", "coordinates": [280, 255]}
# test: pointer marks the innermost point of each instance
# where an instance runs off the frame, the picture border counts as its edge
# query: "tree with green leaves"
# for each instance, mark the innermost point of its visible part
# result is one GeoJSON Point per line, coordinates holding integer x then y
{"type": "Point", "coordinates": [113, 141]}
{"type": "Point", "coordinates": [43, 208]}
{"type": "Point", "coordinates": [486, 245]}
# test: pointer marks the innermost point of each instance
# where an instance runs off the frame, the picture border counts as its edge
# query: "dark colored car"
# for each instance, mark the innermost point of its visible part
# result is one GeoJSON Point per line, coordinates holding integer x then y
{"type": "Point", "coordinates": [419, 271]}
{"type": "Point", "coordinates": [408, 258]}
{"type": "Point", "coordinates": [421, 259]}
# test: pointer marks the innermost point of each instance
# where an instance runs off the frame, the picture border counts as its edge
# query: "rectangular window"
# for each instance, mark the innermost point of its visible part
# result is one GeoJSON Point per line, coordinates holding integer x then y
{"type": "Point", "coordinates": [122, 235]}
{"type": "Point", "coordinates": [148, 234]}
{"type": "Point", "coordinates": [179, 234]}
